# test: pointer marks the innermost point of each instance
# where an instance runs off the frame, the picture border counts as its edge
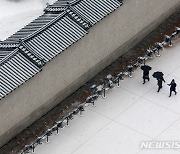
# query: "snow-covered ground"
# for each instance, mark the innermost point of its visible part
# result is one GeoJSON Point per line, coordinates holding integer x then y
{"type": "Point", "coordinates": [15, 14]}
{"type": "Point", "coordinates": [130, 114]}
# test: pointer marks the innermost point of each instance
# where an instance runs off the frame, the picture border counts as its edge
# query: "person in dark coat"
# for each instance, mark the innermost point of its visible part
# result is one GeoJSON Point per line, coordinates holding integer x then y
{"type": "Point", "coordinates": [146, 70]}
{"type": "Point", "coordinates": [159, 83]}
{"type": "Point", "coordinates": [172, 87]}
{"type": "Point", "coordinates": [145, 76]}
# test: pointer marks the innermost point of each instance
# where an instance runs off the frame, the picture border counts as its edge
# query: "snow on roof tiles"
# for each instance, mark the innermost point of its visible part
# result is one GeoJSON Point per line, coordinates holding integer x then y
{"type": "Point", "coordinates": [32, 27]}
{"type": "Point", "coordinates": [23, 54]}
{"type": "Point", "coordinates": [56, 38]}
{"type": "Point", "coordinates": [4, 53]}
{"type": "Point", "coordinates": [95, 10]}
{"type": "Point", "coordinates": [15, 71]}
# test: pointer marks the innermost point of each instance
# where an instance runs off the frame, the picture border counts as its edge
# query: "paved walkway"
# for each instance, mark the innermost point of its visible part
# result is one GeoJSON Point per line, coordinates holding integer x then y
{"type": "Point", "coordinates": [130, 114]}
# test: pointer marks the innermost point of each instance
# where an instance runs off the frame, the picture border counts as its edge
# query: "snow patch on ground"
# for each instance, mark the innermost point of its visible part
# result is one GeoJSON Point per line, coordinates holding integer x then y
{"type": "Point", "coordinates": [15, 14]}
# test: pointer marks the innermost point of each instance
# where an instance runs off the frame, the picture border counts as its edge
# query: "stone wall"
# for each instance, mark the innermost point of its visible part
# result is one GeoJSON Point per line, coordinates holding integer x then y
{"type": "Point", "coordinates": [106, 41]}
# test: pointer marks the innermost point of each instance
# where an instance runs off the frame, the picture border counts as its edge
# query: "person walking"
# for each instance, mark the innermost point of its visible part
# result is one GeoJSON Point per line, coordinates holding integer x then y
{"type": "Point", "coordinates": [146, 70]}
{"type": "Point", "coordinates": [159, 83]}
{"type": "Point", "coordinates": [172, 87]}
{"type": "Point", "coordinates": [145, 76]}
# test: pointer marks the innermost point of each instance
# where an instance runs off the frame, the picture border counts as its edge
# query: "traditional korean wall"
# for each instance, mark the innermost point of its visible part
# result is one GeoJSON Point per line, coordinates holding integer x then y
{"type": "Point", "coordinates": [106, 41]}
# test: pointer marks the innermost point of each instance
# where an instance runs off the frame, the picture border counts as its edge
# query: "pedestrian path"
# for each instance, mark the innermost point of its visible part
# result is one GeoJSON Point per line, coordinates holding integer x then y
{"type": "Point", "coordinates": [131, 113]}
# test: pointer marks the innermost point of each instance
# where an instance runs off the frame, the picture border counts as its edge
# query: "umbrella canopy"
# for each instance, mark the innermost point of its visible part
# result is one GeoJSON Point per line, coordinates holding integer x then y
{"type": "Point", "coordinates": [158, 75]}
{"type": "Point", "coordinates": [146, 68]}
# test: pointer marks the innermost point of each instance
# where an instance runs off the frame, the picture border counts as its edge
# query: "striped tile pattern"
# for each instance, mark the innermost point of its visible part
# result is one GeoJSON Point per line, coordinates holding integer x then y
{"type": "Point", "coordinates": [6, 49]}
{"type": "Point", "coordinates": [95, 10]}
{"type": "Point", "coordinates": [56, 38]}
{"type": "Point", "coordinates": [14, 72]}
{"type": "Point", "coordinates": [4, 53]}
{"type": "Point", "coordinates": [32, 27]}
{"type": "Point", "coordinates": [58, 6]}
{"type": "Point", "coordinates": [25, 53]}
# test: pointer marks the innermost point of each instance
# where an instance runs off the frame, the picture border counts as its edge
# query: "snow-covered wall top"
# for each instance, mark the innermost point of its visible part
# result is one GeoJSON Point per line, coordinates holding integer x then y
{"type": "Point", "coordinates": [23, 54]}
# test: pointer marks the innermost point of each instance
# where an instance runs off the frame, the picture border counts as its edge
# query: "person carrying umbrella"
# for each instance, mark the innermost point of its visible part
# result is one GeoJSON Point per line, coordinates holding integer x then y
{"type": "Point", "coordinates": [160, 80]}
{"type": "Point", "coordinates": [146, 70]}
{"type": "Point", "coordinates": [159, 76]}
{"type": "Point", "coordinates": [172, 87]}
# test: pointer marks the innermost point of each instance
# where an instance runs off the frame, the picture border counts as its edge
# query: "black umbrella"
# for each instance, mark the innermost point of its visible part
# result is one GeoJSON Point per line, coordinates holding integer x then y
{"type": "Point", "coordinates": [158, 75]}
{"type": "Point", "coordinates": [146, 68]}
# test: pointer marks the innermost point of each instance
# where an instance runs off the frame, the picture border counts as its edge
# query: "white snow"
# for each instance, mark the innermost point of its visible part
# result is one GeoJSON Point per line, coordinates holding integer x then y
{"type": "Point", "coordinates": [130, 114]}
{"type": "Point", "coordinates": [15, 14]}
